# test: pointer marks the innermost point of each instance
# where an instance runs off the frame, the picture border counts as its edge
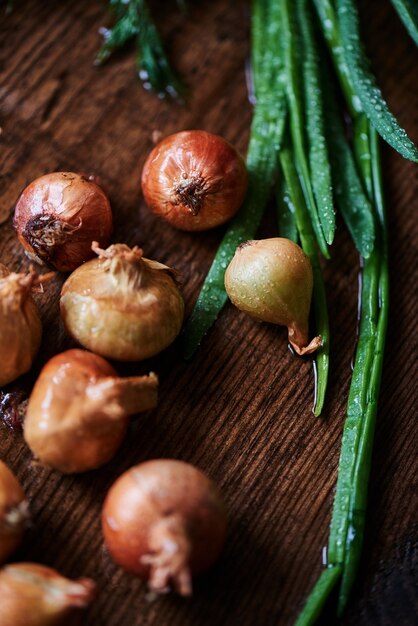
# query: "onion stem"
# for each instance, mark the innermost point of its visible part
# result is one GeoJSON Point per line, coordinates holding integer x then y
{"type": "Point", "coordinates": [307, 238]}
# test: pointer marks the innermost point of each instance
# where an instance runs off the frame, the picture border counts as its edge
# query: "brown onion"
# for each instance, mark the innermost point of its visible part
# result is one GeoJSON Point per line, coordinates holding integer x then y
{"type": "Point", "coordinates": [195, 180]}
{"type": "Point", "coordinates": [164, 521]}
{"type": "Point", "coordinates": [58, 216]}
{"type": "Point", "coordinates": [35, 595]}
{"type": "Point", "coordinates": [79, 409]}
{"type": "Point", "coordinates": [14, 513]}
{"type": "Point", "coordinates": [272, 281]}
{"type": "Point", "coordinates": [122, 305]}
{"type": "Point", "coordinates": [20, 325]}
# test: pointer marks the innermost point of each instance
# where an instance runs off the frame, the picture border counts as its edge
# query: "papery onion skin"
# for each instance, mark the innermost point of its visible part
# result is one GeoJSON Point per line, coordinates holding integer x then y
{"type": "Point", "coordinates": [164, 521]}
{"type": "Point", "coordinates": [14, 513]}
{"type": "Point", "coordinates": [79, 409]}
{"type": "Point", "coordinates": [35, 595]}
{"type": "Point", "coordinates": [58, 216]}
{"type": "Point", "coordinates": [195, 180]}
{"type": "Point", "coordinates": [122, 306]}
{"type": "Point", "coordinates": [271, 280]}
{"type": "Point", "coordinates": [20, 325]}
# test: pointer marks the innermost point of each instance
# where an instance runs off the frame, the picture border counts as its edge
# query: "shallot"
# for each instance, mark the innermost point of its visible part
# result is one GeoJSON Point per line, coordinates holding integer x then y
{"type": "Point", "coordinates": [164, 521]}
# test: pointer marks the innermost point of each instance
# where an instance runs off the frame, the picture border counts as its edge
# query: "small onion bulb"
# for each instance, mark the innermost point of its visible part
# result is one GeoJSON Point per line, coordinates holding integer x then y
{"type": "Point", "coordinates": [35, 595]}
{"type": "Point", "coordinates": [14, 513]}
{"type": "Point", "coordinates": [164, 521]}
{"type": "Point", "coordinates": [20, 325]}
{"type": "Point", "coordinates": [78, 412]}
{"type": "Point", "coordinates": [195, 180]}
{"type": "Point", "coordinates": [122, 305]}
{"type": "Point", "coordinates": [58, 216]}
{"type": "Point", "coordinates": [272, 281]}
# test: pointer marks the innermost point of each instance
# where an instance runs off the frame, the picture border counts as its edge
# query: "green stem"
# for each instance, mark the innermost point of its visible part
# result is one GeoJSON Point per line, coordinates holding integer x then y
{"type": "Point", "coordinates": [364, 83]}
{"type": "Point", "coordinates": [319, 162]}
{"type": "Point", "coordinates": [265, 139]}
{"type": "Point", "coordinates": [358, 502]}
{"type": "Point", "coordinates": [293, 66]}
{"type": "Point", "coordinates": [408, 13]}
{"type": "Point", "coordinates": [318, 596]}
{"type": "Point", "coordinates": [308, 242]}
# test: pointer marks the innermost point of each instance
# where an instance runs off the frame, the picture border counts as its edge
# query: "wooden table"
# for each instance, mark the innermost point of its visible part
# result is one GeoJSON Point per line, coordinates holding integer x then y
{"type": "Point", "coordinates": [241, 410]}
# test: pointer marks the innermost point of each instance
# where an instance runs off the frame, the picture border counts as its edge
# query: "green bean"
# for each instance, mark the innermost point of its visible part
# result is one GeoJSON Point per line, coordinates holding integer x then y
{"type": "Point", "coordinates": [352, 201]}
{"type": "Point", "coordinates": [357, 508]}
{"type": "Point", "coordinates": [315, 123]}
{"type": "Point", "coordinates": [307, 238]}
{"type": "Point", "coordinates": [265, 140]}
{"type": "Point", "coordinates": [318, 596]}
{"type": "Point", "coordinates": [286, 214]}
{"type": "Point", "coordinates": [292, 64]}
{"type": "Point", "coordinates": [373, 103]}
{"type": "Point", "coordinates": [408, 12]}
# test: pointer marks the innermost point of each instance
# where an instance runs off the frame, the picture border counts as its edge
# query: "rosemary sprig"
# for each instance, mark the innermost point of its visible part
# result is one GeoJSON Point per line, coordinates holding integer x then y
{"type": "Point", "coordinates": [134, 21]}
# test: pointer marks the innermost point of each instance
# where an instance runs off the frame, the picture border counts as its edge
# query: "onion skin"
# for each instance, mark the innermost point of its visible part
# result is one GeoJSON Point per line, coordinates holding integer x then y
{"type": "Point", "coordinates": [20, 325]}
{"type": "Point", "coordinates": [58, 216]}
{"type": "Point", "coordinates": [14, 513]}
{"type": "Point", "coordinates": [271, 280]}
{"type": "Point", "coordinates": [79, 409]}
{"type": "Point", "coordinates": [35, 595]}
{"type": "Point", "coordinates": [194, 180]}
{"type": "Point", "coordinates": [121, 305]}
{"type": "Point", "coordinates": [164, 521]}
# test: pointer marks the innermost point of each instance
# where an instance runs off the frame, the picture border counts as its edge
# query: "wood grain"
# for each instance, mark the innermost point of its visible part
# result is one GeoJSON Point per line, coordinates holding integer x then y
{"type": "Point", "coordinates": [241, 410]}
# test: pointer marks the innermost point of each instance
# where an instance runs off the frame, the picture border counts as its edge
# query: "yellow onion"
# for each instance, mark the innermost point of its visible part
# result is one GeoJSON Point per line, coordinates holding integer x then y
{"type": "Point", "coordinates": [122, 305]}
{"type": "Point", "coordinates": [58, 216]}
{"type": "Point", "coordinates": [14, 513]}
{"type": "Point", "coordinates": [79, 409]}
{"type": "Point", "coordinates": [35, 595]}
{"type": "Point", "coordinates": [195, 180]}
{"type": "Point", "coordinates": [20, 326]}
{"type": "Point", "coordinates": [272, 281]}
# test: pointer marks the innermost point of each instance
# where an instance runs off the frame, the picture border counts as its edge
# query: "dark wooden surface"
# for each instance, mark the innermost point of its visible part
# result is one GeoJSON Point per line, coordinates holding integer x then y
{"type": "Point", "coordinates": [241, 410]}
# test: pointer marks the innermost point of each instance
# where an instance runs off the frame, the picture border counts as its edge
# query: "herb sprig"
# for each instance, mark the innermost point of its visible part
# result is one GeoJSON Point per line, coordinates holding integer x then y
{"type": "Point", "coordinates": [134, 22]}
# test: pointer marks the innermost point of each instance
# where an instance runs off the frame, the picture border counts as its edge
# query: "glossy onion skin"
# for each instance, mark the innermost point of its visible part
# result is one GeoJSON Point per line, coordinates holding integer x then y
{"type": "Point", "coordinates": [74, 209]}
{"type": "Point", "coordinates": [125, 310]}
{"type": "Point", "coordinates": [75, 421]}
{"type": "Point", "coordinates": [194, 180]}
{"type": "Point", "coordinates": [271, 280]}
{"type": "Point", "coordinates": [14, 513]}
{"type": "Point", "coordinates": [35, 595]}
{"type": "Point", "coordinates": [156, 491]}
{"type": "Point", "coordinates": [20, 325]}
